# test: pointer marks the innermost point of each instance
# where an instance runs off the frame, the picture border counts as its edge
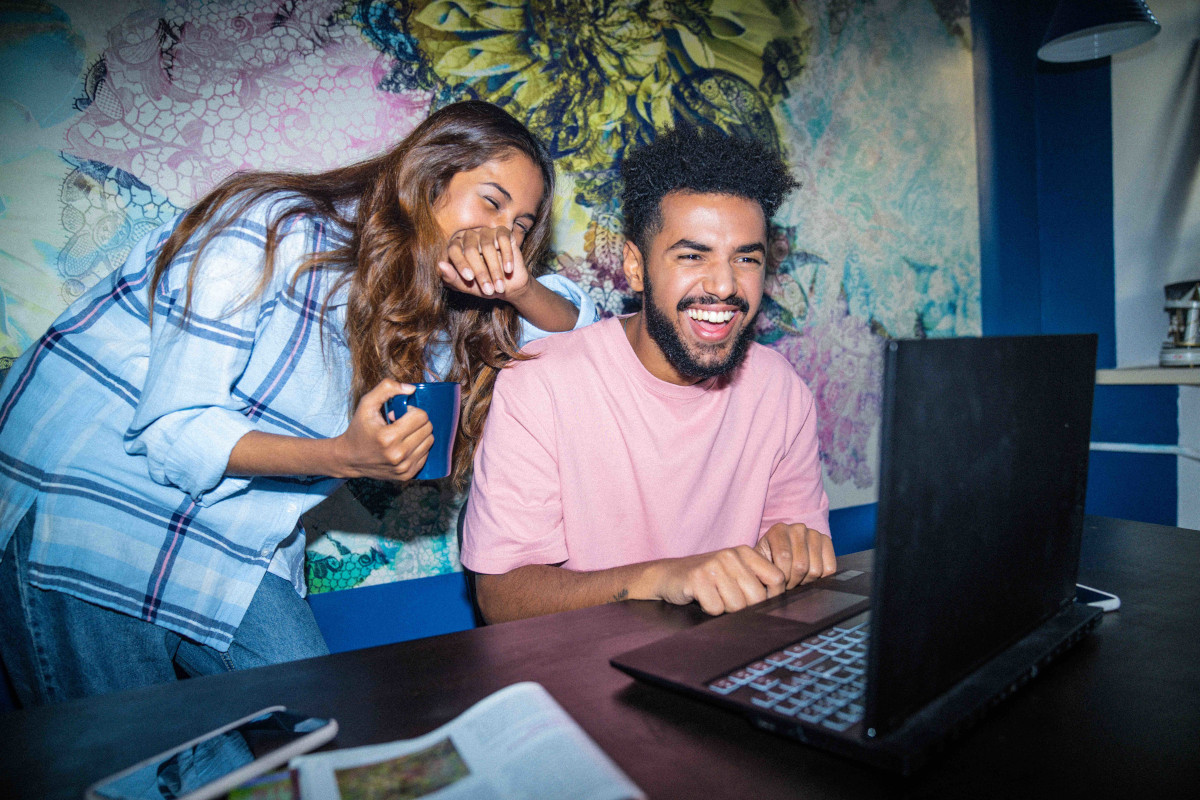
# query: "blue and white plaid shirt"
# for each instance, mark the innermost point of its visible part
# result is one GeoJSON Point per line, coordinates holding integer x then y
{"type": "Point", "coordinates": [121, 433]}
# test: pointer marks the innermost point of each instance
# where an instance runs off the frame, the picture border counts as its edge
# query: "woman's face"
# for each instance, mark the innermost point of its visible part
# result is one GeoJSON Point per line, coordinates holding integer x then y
{"type": "Point", "coordinates": [504, 192]}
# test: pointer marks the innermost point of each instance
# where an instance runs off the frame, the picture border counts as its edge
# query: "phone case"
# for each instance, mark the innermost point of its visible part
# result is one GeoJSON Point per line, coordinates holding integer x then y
{"type": "Point", "coordinates": [235, 778]}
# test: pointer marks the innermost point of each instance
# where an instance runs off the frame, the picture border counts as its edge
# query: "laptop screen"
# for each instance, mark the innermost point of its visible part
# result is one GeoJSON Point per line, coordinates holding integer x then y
{"type": "Point", "coordinates": [983, 469]}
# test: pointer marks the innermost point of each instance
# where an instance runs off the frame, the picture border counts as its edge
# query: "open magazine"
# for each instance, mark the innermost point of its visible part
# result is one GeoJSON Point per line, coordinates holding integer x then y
{"type": "Point", "coordinates": [515, 743]}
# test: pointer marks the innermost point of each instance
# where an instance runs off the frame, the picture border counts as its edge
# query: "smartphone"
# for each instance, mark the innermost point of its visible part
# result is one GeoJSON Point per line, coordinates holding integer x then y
{"type": "Point", "coordinates": [1097, 598]}
{"type": "Point", "coordinates": [220, 760]}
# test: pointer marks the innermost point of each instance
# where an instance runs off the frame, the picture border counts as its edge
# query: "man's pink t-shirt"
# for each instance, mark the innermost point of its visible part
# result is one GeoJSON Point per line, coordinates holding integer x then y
{"type": "Point", "coordinates": [589, 461]}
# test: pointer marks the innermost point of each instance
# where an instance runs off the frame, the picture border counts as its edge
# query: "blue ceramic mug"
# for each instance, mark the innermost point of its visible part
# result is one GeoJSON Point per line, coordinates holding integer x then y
{"type": "Point", "coordinates": [441, 402]}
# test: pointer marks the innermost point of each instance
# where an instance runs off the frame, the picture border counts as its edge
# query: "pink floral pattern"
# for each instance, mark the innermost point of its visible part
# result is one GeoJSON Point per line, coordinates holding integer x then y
{"type": "Point", "coordinates": [841, 360]}
{"type": "Point", "coordinates": [186, 95]}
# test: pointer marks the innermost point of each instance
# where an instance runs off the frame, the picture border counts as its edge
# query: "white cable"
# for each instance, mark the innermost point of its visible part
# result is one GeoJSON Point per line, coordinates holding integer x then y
{"type": "Point", "coordinates": [1164, 449]}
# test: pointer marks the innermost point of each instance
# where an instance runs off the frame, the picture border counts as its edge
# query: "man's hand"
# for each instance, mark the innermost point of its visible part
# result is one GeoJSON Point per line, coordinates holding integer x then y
{"type": "Point", "coordinates": [720, 582]}
{"type": "Point", "coordinates": [799, 552]}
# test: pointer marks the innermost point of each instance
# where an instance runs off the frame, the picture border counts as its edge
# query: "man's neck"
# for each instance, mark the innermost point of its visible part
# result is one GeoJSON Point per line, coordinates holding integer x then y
{"type": "Point", "coordinates": [648, 352]}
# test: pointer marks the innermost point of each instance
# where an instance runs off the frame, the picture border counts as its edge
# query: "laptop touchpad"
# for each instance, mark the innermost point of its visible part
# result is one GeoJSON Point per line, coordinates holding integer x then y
{"type": "Point", "coordinates": [815, 605]}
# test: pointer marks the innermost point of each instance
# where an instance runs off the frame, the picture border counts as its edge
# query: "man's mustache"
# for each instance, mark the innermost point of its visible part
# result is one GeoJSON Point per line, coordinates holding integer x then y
{"type": "Point", "coordinates": [711, 300]}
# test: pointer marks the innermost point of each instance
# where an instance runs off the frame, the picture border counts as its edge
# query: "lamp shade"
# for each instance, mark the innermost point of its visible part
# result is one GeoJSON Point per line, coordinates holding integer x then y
{"type": "Point", "coordinates": [1082, 30]}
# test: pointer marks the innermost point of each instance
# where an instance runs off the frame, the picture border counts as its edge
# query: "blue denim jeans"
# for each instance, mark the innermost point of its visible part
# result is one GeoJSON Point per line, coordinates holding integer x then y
{"type": "Point", "coordinates": [57, 647]}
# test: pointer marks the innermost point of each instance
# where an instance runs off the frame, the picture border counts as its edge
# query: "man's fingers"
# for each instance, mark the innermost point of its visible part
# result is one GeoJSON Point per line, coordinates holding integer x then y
{"type": "Point", "coordinates": [828, 559]}
{"type": "Point", "coordinates": [709, 599]}
{"type": "Point", "coordinates": [767, 578]}
{"type": "Point", "coordinates": [821, 561]}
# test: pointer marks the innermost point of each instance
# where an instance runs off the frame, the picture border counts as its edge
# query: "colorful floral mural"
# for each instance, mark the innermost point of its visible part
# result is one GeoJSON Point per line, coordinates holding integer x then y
{"type": "Point", "coordinates": [117, 115]}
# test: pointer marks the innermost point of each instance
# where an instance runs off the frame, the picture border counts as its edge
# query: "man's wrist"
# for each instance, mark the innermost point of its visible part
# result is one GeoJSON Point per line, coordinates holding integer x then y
{"type": "Point", "coordinates": [645, 581]}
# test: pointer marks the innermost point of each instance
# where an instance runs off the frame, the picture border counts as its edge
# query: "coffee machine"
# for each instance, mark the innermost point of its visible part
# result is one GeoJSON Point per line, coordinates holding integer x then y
{"type": "Point", "coordinates": [1182, 347]}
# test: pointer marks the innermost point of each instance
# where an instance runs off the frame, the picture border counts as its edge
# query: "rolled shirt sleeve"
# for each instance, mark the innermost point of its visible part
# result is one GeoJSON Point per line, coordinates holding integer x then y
{"type": "Point", "coordinates": [187, 419]}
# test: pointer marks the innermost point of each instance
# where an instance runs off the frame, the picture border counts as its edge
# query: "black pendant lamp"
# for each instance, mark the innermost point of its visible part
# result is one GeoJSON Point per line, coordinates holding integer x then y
{"type": "Point", "coordinates": [1082, 30]}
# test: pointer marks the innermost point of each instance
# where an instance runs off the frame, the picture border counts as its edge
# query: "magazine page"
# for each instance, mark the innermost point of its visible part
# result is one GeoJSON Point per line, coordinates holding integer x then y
{"type": "Point", "coordinates": [515, 743]}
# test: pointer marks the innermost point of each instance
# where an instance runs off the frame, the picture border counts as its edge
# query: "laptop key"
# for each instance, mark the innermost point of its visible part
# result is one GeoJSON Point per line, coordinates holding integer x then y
{"type": "Point", "coordinates": [779, 658]}
{"type": "Point", "coordinates": [788, 707]}
{"type": "Point", "coordinates": [822, 708]}
{"type": "Point", "coordinates": [796, 680]}
{"type": "Point", "coordinates": [723, 686]}
{"type": "Point", "coordinates": [781, 692]}
{"type": "Point", "coordinates": [763, 700]}
{"type": "Point", "coordinates": [842, 674]}
{"type": "Point", "coordinates": [837, 724]}
{"type": "Point", "coordinates": [809, 659]}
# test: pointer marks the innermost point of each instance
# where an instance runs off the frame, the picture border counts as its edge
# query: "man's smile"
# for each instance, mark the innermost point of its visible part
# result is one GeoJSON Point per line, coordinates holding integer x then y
{"type": "Point", "coordinates": [711, 326]}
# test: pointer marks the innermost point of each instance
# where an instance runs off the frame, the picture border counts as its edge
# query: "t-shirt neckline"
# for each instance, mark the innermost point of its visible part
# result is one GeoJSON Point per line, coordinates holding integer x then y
{"type": "Point", "coordinates": [633, 366]}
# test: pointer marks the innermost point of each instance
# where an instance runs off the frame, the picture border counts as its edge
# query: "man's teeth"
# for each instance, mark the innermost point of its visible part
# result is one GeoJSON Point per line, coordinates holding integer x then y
{"type": "Point", "coordinates": [710, 316]}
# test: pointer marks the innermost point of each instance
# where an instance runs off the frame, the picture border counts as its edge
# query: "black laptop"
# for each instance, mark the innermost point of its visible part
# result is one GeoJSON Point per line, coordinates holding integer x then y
{"type": "Point", "coordinates": [983, 465]}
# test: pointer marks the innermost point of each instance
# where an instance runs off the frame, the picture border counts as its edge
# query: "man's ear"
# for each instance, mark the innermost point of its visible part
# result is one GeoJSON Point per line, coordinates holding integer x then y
{"type": "Point", "coordinates": [633, 266]}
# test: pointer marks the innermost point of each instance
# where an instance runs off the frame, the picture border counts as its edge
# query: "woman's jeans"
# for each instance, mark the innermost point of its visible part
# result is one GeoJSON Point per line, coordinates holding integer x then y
{"type": "Point", "coordinates": [57, 647]}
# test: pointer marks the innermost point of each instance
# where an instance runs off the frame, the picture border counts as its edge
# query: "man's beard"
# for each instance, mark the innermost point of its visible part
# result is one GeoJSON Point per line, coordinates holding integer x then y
{"type": "Point", "coordinates": [687, 361]}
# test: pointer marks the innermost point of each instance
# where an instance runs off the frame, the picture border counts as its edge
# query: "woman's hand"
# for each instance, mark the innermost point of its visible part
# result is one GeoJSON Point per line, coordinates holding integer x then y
{"type": "Point", "coordinates": [485, 262]}
{"type": "Point", "coordinates": [374, 448]}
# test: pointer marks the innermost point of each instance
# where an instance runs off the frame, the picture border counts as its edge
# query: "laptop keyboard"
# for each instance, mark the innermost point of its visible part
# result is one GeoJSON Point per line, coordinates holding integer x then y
{"type": "Point", "coordinates": [820, 679]}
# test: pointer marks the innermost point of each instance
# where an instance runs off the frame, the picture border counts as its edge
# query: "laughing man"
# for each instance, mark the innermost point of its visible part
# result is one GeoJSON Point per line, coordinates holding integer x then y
{"type": "Point", "coordinates": [661, 455]}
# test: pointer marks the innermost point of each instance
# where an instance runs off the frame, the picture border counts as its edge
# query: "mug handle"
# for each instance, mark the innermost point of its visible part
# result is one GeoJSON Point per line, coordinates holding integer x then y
{"type": "Point", "coordinates": [396, 405]}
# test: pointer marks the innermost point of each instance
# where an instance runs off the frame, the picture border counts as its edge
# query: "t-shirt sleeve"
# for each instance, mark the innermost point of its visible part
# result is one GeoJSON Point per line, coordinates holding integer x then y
{"type": "Point", "coordinates": [514, 509]}
{"type": "Point", "coordinates": [796, 492]}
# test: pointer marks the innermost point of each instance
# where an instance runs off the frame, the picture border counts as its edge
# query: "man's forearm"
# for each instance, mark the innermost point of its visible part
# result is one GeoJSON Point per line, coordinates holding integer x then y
{"type": "Point", "coordinates": [539, 589]}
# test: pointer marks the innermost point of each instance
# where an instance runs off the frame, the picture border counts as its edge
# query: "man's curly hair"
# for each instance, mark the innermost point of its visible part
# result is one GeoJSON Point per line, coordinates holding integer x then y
{"type": "Point", "coordinates": [702, 161]}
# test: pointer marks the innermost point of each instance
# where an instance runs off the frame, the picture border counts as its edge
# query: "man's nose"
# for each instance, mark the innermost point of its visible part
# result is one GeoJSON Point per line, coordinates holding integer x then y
{"type": "Point", "coordinates": [719, 279]}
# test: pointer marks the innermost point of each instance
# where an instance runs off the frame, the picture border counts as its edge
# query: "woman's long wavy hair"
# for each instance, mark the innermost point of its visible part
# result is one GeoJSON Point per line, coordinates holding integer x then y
{"type": "Point", "coordinates": [397, 303]}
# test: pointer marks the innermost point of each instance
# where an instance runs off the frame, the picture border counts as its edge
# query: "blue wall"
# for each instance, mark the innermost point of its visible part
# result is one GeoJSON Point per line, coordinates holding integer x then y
{"type": "Point", "coordinates": [1046, 236]}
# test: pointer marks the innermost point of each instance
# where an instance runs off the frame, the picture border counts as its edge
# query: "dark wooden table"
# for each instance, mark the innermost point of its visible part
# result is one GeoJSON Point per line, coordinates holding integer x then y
{"type": "Point", "coordinates": [1117, 717]}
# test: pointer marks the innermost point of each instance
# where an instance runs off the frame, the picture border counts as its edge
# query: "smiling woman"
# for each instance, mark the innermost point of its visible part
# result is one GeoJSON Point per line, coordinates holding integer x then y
{"type": "Point", "coordinates": [231, 374]}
